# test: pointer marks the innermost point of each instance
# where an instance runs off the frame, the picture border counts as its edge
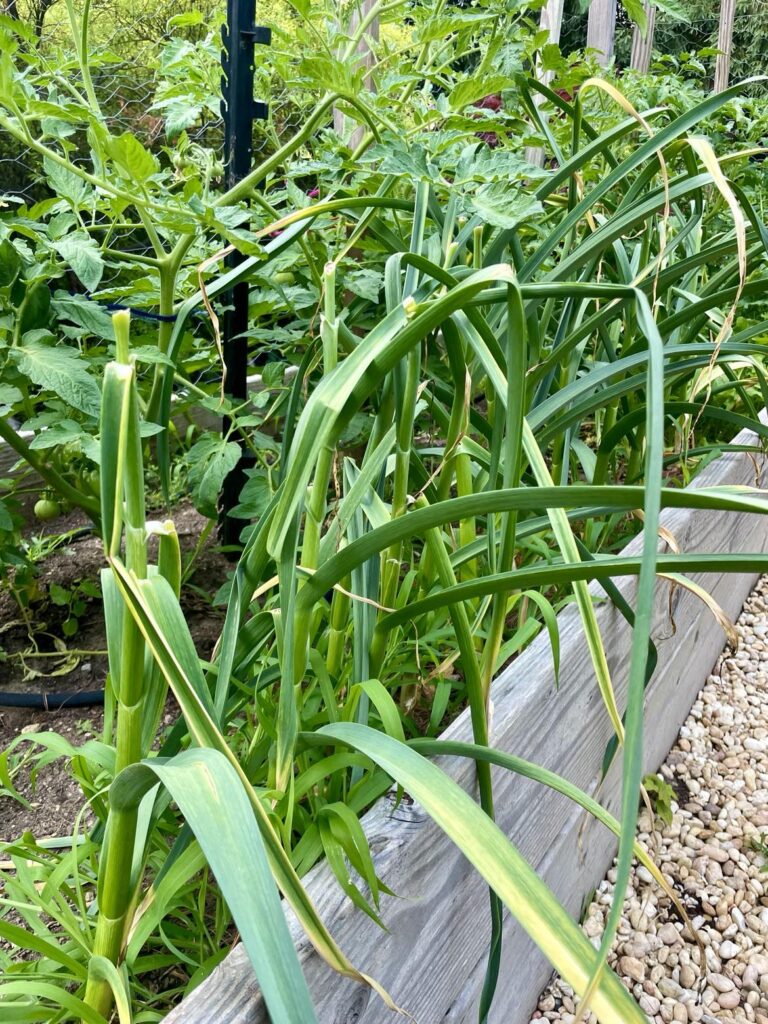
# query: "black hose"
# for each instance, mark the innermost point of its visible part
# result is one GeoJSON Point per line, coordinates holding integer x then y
{"type": "Point", "coordinates": [52, 701]}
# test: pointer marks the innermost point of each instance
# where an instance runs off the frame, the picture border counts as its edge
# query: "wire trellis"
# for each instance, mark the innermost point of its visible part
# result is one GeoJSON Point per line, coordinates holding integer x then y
{"type": "Point", "coordinates": [134, 49]}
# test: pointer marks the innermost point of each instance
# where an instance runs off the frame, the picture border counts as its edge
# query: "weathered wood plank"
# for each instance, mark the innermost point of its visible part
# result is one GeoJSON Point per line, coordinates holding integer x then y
{"type": "Point", "coordinates": [432, 959]}
{"type": "Point", "coordinates": [724, 44]}
{"type": "Point", "coordinates": [359, 14]}
{"type": "Point", "coordinates": [601, 29]}
{"type": "Point", "coordinates": [642, 44]}
{"type": "Point", "coordinates": [550, 20]}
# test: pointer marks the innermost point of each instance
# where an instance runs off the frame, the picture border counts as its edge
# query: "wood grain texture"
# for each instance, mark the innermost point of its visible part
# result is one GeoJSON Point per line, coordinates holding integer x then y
{"type": "Point", "coordinates": [551, 21]}
{"type": "Point", "coordinates": [368, 58]}
{"type": "Point", "coordinates": [432, 959]}
{"type": "Point", "coordinates": [724, 45]}
{"type": "Point", "coordinates": [601, 29]}
{"type": "Point", "coordinates": [642, 44]}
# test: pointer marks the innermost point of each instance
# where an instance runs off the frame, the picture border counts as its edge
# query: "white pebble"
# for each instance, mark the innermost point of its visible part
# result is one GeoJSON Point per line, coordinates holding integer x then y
{"type": "Point", "coordinates": [706, 854]}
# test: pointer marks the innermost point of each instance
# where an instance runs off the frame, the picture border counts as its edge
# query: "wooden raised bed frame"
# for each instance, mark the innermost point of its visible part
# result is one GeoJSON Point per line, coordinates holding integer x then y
{"type": "Point", "coordinates": [432, 960]}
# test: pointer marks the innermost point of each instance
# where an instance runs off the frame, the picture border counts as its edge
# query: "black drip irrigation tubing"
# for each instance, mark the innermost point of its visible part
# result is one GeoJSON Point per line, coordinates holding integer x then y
{"type": "Point", "coordinates": [53, 701]}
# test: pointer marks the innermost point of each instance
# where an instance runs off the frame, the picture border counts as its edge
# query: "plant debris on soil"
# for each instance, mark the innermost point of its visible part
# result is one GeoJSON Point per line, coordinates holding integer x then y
{"type": "Point", "coordinates": [56, 799]}
{"type": "Point", "coordinates": [714, 853]}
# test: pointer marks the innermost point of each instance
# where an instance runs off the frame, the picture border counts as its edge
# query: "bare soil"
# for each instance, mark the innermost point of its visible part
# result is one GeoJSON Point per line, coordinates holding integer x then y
{"type": "Point", "coordinates": [56, 799]}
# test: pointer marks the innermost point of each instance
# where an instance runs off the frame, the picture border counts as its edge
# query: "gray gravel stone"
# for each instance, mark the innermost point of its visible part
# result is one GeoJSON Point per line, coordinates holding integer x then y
{"type": "Point", "coordinates": [721, 756]}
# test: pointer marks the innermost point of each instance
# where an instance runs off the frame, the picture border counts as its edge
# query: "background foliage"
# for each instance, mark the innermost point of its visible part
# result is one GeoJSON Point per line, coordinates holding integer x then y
{"type": "Point", "coordinates": [473, 370]}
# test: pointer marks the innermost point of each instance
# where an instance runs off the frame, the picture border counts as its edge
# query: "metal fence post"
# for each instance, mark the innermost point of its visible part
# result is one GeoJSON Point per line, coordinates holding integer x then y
{"type": "Point", "coordinates": [238, 109]}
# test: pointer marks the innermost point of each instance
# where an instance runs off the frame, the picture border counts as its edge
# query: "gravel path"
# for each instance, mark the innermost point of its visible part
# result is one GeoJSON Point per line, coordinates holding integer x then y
{"type": "Point", "coordinates": [710, 853]}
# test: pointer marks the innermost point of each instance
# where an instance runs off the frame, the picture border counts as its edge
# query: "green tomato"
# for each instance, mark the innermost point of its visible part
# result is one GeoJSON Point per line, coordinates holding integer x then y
{"type": "Point", "coordinates": [91, 482]}
{"type": "Point", "coordinates": [284, 277]}
{"type": "Point", "coordinates": [181, 162]}
{"type": "Point", "coordinates": [46, 509]}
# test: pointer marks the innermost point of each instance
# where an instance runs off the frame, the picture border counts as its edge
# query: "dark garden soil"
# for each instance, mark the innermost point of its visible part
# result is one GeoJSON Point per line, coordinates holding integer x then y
{"type": "Point", "coordinates": [56, 799]}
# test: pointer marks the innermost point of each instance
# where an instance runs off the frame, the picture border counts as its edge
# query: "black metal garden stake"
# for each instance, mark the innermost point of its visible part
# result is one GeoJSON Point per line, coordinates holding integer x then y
{"type": "Point", "coordinates": [238, 109]}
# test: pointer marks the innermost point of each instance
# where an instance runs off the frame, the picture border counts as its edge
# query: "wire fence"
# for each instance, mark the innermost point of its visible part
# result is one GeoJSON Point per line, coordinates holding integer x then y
{"type": "Point", "coordinates": [155, 64]}
{"type": "Point", "coordinates": [149, 54]}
